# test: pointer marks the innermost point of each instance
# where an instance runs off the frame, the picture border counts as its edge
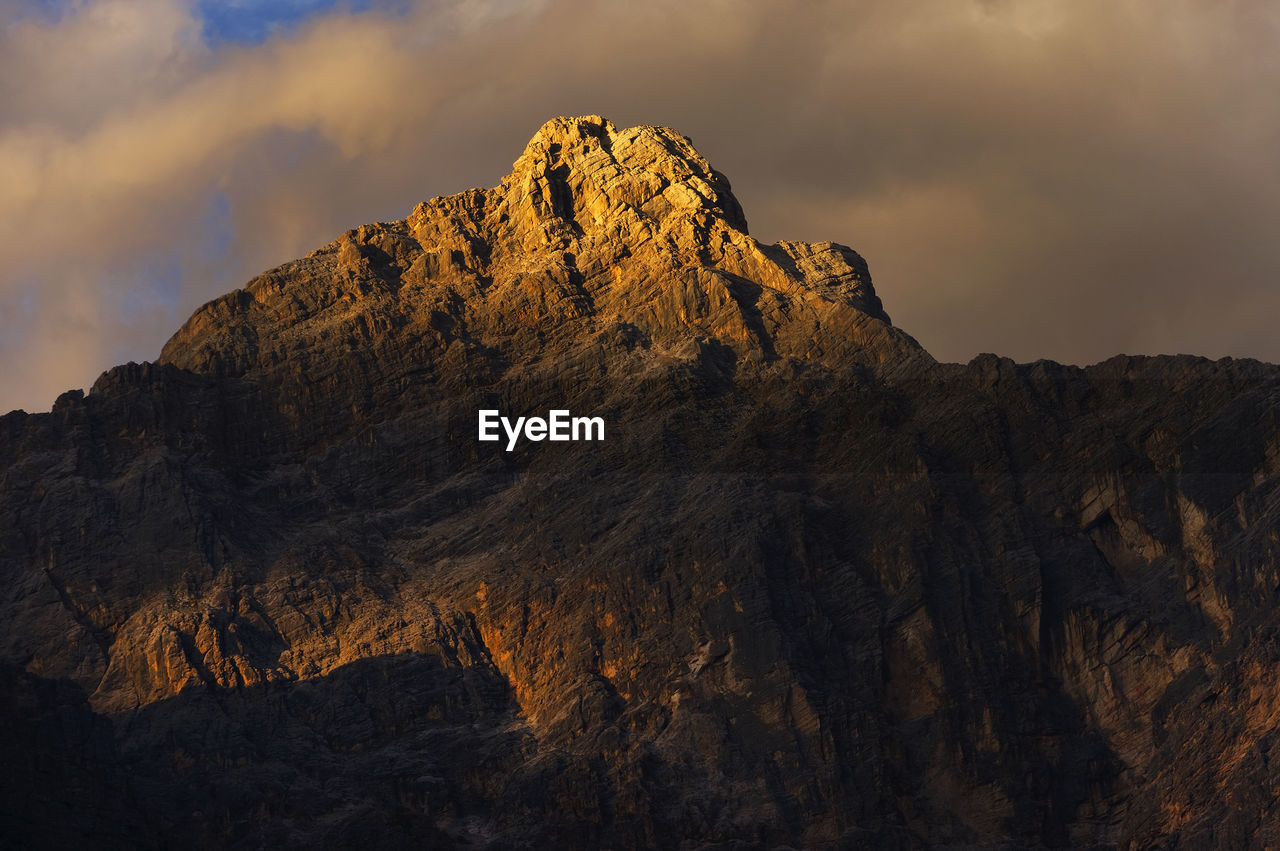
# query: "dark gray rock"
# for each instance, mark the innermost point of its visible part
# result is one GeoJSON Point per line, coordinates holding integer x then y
{"type": "Point", "coordinates": [813, 590]}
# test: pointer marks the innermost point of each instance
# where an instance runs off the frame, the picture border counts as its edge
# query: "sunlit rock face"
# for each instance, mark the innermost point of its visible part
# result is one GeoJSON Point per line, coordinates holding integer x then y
{"type": "Point", "coordinates": [811, 589]}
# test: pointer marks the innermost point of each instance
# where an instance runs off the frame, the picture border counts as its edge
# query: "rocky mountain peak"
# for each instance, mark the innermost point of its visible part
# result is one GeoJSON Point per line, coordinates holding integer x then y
{"type": "Point", "coordinates": [586, 171]}
{"type": "Point", "coordinates": [809, 589]}
{"type": "Point", "coordinates": [596, 228]}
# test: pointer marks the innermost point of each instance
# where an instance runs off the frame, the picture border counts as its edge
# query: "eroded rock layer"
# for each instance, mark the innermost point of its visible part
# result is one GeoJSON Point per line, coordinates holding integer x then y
{"type": "Point", "coordinates": [814, 589]}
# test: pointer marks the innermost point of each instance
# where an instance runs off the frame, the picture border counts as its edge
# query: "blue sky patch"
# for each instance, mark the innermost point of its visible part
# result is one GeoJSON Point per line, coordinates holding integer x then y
{"type": "Point", "coordinates": [255, 21]}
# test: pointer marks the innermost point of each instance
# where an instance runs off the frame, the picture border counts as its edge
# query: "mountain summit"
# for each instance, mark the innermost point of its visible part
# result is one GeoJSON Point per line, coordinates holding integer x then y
{"type": "Point", "coordinates": [812, 589]}
{"type": "Point", "coordinates": [596, 231]}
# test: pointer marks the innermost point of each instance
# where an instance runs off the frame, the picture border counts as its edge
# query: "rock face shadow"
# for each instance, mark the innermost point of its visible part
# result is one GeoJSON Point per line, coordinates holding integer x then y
{"type": "Point", "coordinates": [385, 752]}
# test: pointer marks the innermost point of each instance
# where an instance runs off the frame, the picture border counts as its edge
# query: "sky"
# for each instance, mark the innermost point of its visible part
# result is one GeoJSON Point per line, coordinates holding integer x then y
{"type": "Point", "coordinates": [1065, 179]}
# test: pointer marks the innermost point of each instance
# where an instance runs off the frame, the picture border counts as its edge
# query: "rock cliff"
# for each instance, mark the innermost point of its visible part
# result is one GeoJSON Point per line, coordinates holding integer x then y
{"type": "Point", "coordinates": [814, 589]}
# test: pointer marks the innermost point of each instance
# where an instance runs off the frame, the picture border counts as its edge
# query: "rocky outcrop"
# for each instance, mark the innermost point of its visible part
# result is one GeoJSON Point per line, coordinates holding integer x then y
{"type": "Point", "coordinates": [814, 589]}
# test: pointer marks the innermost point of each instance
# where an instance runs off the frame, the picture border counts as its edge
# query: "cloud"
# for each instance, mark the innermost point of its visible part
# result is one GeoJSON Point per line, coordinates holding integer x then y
{"type": "Point", "coordinates": [1050, 178]}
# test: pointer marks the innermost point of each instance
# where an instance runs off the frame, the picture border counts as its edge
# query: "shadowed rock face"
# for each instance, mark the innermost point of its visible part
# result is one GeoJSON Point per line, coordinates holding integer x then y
{"type": "Point", "coordinates": [813, 589]}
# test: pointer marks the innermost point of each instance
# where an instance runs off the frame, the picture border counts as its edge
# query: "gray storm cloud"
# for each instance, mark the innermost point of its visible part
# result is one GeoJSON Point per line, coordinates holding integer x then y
{"type": "Point", "coordinates": [1051, 178]}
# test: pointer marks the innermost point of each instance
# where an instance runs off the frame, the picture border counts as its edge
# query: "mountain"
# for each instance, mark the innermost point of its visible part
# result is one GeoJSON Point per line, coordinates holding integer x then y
{"type": "Point", "coordinates": [811, 589]}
